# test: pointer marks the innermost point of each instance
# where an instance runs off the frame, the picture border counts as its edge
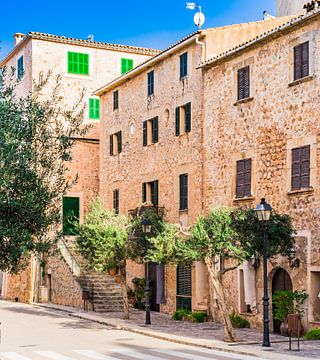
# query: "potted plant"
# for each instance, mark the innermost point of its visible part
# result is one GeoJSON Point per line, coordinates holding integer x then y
{"type": "Point", "coordinates": [286, 303]}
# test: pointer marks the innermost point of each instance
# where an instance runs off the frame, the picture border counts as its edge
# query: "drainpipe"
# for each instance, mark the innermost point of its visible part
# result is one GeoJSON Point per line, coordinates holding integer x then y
{"type": "Point", "coordinates": [202, 44]}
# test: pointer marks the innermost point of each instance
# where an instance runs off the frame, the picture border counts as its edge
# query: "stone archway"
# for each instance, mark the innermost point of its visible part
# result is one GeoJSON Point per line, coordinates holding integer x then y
{"type": "Point", "coordinates": [281, 281]}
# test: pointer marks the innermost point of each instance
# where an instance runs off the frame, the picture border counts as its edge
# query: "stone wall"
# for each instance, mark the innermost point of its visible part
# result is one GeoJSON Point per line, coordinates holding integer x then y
{"type": "Point", "coordinates": [279, 116]}
{"type": "Point", "coordinates": [19, 286]}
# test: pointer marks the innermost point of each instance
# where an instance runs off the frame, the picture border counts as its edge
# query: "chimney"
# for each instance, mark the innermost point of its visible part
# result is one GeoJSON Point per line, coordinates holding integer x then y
{"type": "Point", "coordinates": [17, 38]}
{"type": "Point", "coordinates": [290, 7]}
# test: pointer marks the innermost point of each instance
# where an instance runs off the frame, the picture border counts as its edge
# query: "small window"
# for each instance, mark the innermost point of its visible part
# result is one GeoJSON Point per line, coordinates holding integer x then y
{"type": "Point", "coordinates": [244, 83]}
{"type": "Point", "coordinates": [116, 143]}
{"type": "Point", "coordinates": [183, 119]}
{"type": "Point", "coordinates": [71, 215]}
{"type": "Point", "coordinates": [150, 83]}
{"type": "Point", "coordinates": [94, 109]}
{"type": "Point", "coordinates": [116, 100]}
{"type": "Point", "coordinates": [301, 61]}
{"type": "Point", "coordinates": [183, 185]}
{"type": "Point", "coordinates": [78, 63]}
{"type": "Point", "coordinates": [183, 65]}
{"type": "Point", "coordinates": [20, 68]}
{"type": "Point", "coordinates": [150, 131]}
{"type": "Point", "coordinates": [126, 65]}
{"type": "Point", "coordinates": [150, 192]}
{"type": "Point", "coordinates": [300, 169]}
{"type": "Point", "coordinates": [243, 180]}
{"type": "Point", "coordinates": [116, 201]}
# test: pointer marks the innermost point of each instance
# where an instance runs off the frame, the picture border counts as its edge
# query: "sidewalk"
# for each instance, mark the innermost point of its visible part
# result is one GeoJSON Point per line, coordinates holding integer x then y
{"type": "Point", "coordinates": [207, 335]}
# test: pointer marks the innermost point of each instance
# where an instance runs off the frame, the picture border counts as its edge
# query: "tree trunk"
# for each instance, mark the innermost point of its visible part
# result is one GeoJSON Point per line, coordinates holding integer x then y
{"type": "Point", "coordinates": [215, 277]}
{"type": "Point", "coordinates": [124, 288]}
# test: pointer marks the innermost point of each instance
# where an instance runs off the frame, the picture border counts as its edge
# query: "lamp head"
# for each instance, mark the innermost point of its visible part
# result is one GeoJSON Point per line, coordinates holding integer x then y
{"type": "Point", "coordinates": [263, 210]}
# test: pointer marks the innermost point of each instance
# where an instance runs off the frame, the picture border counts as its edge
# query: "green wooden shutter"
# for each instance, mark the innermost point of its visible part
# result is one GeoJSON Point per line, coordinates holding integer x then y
{"type": "Point", "coordinates": [144, 192]}
{"type": "Point", "coordinates": [184, 286]}
{"type": "Point", "coordinates": [145, 134]}
{"type": "Point", "coordinates": [111, 144]}
{"type": "Point", "coordinates": [177, 121]}
{"type": "Point", "coordinates": [155, 130]}
{"type": "Point", "coordinates": [78, 63]}
{"type": "Point", "coordinates": [71, 215]}
{"type": "Point", "coordinates": [188, 117]}
{"type": "Point", "coordinates": [126, 65]}
{"type": "Point", "coordinates": [116, 201]}
{"type": "Point", "coordinates": [155, 193]}
{"type": "Point", "coordinates": [183, 182]}
{"type": "Point", "coordinates": [94, 109]}
{"type": "Point", "coordinates": [20, 66]}
{"type": "Point", "coordinates": [119, 136]}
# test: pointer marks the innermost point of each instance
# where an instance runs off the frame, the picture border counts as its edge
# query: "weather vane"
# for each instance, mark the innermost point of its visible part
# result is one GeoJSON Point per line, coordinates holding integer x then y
{"type": "Point", "coordinates": [199, 17]}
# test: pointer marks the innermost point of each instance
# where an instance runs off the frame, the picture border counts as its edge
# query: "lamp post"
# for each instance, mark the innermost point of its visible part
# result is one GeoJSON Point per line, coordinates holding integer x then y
{"type": "Point", "coordinates": [146, 229]}
{"type": "Point", "coordinates": [263, 211]}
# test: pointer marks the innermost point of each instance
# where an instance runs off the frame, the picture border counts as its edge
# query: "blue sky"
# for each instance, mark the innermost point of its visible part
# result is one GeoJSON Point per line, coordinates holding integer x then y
{"type": "Point", "coordinates": [154, 24]}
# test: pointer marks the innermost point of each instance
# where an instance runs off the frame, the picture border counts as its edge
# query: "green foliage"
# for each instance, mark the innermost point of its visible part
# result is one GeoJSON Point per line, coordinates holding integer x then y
{"type": "Point", "coordinates": [180, 314]}
{"type": "Point", "coordinates": [280, 233]}
{"type": "Point", "coordinates": [139, 292]}
{"type": "Point", "coordinates": [288, 302]}
{"type": "Point", "coordinates": [36, 140]}
{"type": "Point", "coordinates": [313, 334]}
{"type": "Point", "coordinates": [198, 316]}
{"type": "Point", "coordinates": [238, 322]}
{"type": "Point", "coordinates": [102, 238]}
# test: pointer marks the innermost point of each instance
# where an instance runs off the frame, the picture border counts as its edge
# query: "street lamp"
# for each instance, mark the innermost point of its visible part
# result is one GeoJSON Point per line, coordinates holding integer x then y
{"type": "Point", "coordinates": [263, 211]}
{"type": "Point", "coordinates": [146, 229]}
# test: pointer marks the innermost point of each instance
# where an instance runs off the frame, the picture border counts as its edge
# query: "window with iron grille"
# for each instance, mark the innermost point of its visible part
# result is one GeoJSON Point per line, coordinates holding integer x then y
{"type": "Point", "coordinates": [151, 83]}
{"type": "Point", "coordinates": [150, 131]}
{"type": "Point", "coordinates": [183, 186]}
{"type": "Point", "coordinates": [183, 65]}
{"type": "Point", "coordinates": [183, 119]}
{"type": "Point", "coordinates": [244, 83]}
{"type": "Point", "coordinates": [243, 178]}
{"type": "Point", "coordinates": [20, 68]}
{"type": "Point", "coordinates": [116, 100]}
{"type": "Point", "coordinates": [116, 143]}
{"type": "Point", "coordinates": [300, 168]}
{"type": "Point", "coordinates": [184, 286]}
{"type": "Point", "coordinates": [116, 201]}
{"type": "Point", "coordinates": [150, 192]}
{"type": "Point", "coordinates": [301, 61]}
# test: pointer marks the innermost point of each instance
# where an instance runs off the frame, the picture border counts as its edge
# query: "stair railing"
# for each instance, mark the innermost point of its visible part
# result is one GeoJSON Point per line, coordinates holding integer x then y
{"type": "Point", "coordinates": [69, 259]}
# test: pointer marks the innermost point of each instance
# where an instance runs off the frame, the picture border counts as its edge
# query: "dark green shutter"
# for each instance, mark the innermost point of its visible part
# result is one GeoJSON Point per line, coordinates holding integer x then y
{"type": "Point", "coordinates": [183, 182]}
{"type": "Point", "coordinates": [155, 194]}
{"type": "Point", "coordinates": [184, 286]}
{"type": "Point", "coordinates": [20, 66]}
{"type": "Point", "coordinates": [188, 117]}
{"type": "Point", "coordinates": [71, 215]}
{"type": "Point", "coordinates": [111, 144]}
{"type": "Point", "coordinates": [119, 136]}
{"type": "Point", "coordinates": [144, 192]}
{"type": "Point", "coordinates": [155, 130]}
{"type": "Point", "coordinates": [177, 121]}
{"type": "Point", "coordinates": [183, 65]}
{"type": "Point", "coordinates": [145, 133]}
{"type": "Point", "coordinates": [116, 201]}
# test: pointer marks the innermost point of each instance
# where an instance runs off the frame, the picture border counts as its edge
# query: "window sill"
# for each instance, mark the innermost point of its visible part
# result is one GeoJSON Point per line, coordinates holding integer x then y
{"type": "Point", "coordinates": [151, 97]}
{"type": "Point", "coordinates": [301, 191]}
{"type": "Point", "coordinates": [246, 198]}
{"type": "Point", "coordinates": [247, 314]}
{"type": "Point", "coordinates": [183, 134]}
{"type": "Point", "coordinates": [243, 101]}
{"type": "Point", "coordinates": [184, 78]}
{"type": "Point", "coordinates": [183, 211]}
{"type": "Point", "coordinates": [302, 80]}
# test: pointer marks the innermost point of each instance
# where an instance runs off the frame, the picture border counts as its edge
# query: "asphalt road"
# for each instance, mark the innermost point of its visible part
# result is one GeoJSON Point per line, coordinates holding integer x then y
{"type": "Point", "coordinates": [30, 332]}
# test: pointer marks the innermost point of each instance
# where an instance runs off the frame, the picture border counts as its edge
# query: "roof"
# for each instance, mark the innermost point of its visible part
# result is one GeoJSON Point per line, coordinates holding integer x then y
{"type": "Point", "coordinates": [275, 32]}
{"type": "Point", "coordinates": [80, 42]}
{"type": "Point", "coordinates": [146, 64]}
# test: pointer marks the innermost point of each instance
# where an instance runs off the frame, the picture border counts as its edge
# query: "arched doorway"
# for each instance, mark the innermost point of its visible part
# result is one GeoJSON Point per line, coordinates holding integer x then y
{"type": "Point", "coordinates": [281, 281]}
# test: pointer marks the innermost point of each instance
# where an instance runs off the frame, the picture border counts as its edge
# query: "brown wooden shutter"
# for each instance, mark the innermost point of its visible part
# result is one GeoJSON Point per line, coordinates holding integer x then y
{"type": "Point", "coordinates": [155, 130]}
{"type": "Point", "coordinates": [295, 170]}
{"type": "Point", "coordinates": [119, 137]}
{"type": "Point", "coordinates": [297, 62]}
{"type": "Point", "coordinates": [244, 83]}
{"type": "Point", "coordinates": [243, 178]}
{"type": "Point", "coordinates": [144, 192]}
{"type": "Point", "coordinates": [247, 178]}
{"type": "Point", "coordinates": [305, 59]}
{"type": "Point", "coordinates": [145, 133]}
{"type": "Point", "coordinates": [240, 178]}
{"type": "Point", "coordinates": [305, 167]}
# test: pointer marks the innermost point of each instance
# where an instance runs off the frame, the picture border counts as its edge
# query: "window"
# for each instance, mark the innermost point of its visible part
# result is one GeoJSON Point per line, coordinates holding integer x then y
{"type": "Point", "coordinates": [300, 170]}
{"type": "Point", "coordinates": [71, 214]}
{"type": "Point", "coordinates": [116, 201]}
{"type": "Point", "coordinates": [116, 100]}
{"type": "Point", "coordinates": [183, 119]}
{"type": "Point", "coordinates": [244, 83]}
{"type": "Point", "coordinates": [116, 143]}
{"type": "Point", "coordinates": [78, 63]}
{"type": "Point", "coordinates": [184, 286]}
{"type": "Point", "coordinates": [183, 185]}
{"type": "Point", "coordinates": [150, 192]}
{"type": "Point", "coordinates": [126, 65]}
{"type": "Point", "coordinates": [150, 83]}
{"type": "Point", "coordinates": [183, 65]}
{"type": "Point", "coordinates": [150, 131]}
{"type": "Point", "coordinates": [243, 180]}
{"type": "Point", "coordinates": [94, 109]}
{"type": "Point", "coordinates": [20, 68]}
{"type": "Point", "coordinates": [301, 61]}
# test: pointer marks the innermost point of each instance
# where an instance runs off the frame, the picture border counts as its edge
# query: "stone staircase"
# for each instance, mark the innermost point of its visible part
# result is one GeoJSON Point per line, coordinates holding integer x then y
{"type": "Point", "coordinates": [104, 293]}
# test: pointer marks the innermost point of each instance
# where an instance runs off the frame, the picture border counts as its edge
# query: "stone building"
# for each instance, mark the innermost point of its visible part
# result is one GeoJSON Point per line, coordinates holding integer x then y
{"type": "Point", "coordinates": [151, 143]}
{"type": "Point", "coordinates": [290, 7]}
{"type": "Point", "coordinates": [82, 64]}
{"type": "Point", "coordinates": [266, 114]}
